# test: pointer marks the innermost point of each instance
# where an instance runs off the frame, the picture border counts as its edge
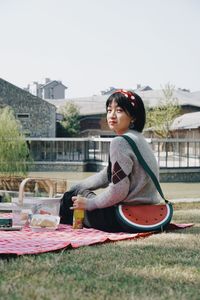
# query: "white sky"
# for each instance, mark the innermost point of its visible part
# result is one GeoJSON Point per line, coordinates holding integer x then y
{"type": "Point", "coordinates": [93, 44]}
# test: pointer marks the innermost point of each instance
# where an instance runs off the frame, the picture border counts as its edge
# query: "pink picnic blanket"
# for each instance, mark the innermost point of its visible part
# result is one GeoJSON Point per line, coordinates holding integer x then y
{"type": "Point", "coordinates": [28, 242]}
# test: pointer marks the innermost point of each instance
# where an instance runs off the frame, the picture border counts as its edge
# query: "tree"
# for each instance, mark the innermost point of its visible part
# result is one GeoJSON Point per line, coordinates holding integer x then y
{"type": "Point", "coordinates": [160, 118]}
{"type": "Point", "coordinates": [13, 148]}
{"type": "Point", "coordinates": [69, 126]}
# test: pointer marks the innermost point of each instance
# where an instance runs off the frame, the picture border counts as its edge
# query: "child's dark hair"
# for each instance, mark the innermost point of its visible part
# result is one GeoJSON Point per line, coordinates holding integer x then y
{"type": "Point", "coordinates": [134, 108]}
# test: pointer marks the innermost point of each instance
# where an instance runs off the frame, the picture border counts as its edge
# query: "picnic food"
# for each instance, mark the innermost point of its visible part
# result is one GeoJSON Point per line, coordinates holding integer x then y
{"type": "Point", "coordinates": [25, 213]}
{"type": "Point", "coordinates": [44, 221]}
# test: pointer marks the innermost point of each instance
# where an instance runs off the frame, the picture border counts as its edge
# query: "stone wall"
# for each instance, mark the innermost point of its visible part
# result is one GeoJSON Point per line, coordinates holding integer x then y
{"type": "Point", "coordinates": [180, 175]}
{"type": "Point", "coordinates": [37, 116]}
{"type": "Point", "coordinates": [58, 167]}
{"type": "Point", "coordinates": [166, 174]}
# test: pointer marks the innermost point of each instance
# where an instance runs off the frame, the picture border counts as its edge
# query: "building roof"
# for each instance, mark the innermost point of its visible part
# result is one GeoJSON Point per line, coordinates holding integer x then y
{"type": "Point", "coordinates": [14, 92]}
{"type": "Point", "coordinates": [87, 105]}
{"type": "Point", "coordinates": [54, 83]}
{"type": "Point", "coordinates": [143, 88]}
{"type": "Point", "coordinates": [153, 97]}
{"type": "Point", "coordinates": [187, 121]}
{"type": "Point", "coordinates": [96, 104]}
{"type": "Point", "coordinates": [196, 94]}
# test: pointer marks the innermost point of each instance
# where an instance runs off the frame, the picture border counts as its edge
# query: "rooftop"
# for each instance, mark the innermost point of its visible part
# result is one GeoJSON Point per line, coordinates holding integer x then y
{"type": "Point", "coordinates": [96, 104]}
{"type": "Point", "coordinates": [187, 121]}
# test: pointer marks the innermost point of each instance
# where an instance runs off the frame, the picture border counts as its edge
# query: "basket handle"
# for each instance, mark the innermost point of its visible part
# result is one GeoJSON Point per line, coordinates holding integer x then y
{"type": "Point", "coordinates": [23, 183]}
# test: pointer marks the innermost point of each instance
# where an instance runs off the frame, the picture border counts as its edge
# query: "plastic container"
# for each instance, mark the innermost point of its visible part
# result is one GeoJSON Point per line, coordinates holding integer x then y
{"type": "Point", "coordinates": [25, 207]}
{"type": "Point", "coordinates": [44, 222]}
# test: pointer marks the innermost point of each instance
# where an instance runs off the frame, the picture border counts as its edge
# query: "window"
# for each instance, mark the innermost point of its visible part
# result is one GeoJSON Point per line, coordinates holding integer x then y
{"type": "Point", "coordinates": [23, 116]}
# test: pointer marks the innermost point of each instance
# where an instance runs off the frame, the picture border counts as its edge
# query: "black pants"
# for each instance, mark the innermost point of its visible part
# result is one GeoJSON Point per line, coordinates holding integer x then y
{"type": "Point", "coordinates": [103, 219]}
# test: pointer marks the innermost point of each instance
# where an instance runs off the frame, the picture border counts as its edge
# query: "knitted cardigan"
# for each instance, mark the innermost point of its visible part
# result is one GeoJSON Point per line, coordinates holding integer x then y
{"type": "Point", "coordinates": [129, 182]}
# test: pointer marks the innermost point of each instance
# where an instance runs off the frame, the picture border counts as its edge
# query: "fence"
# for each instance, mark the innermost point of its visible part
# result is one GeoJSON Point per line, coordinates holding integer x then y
{"type": "Point", "coordinates": [170, 153]}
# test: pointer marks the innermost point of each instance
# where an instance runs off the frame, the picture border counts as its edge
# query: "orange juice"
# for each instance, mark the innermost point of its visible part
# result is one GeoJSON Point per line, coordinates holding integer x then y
{"type": "Point", "coordinates": [78, 218]}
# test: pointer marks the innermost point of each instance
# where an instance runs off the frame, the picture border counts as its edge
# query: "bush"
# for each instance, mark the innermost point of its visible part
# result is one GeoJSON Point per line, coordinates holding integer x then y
{"type": "Point", "coordinates": [14, 151]}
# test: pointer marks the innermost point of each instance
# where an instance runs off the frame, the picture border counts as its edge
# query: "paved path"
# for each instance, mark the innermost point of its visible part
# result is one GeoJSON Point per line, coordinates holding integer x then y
{"type": "Point", "coordinates": [186, 200]}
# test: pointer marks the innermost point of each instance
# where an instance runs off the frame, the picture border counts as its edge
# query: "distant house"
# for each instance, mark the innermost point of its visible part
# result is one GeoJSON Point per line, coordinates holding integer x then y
{"type": "Point", "coordinates": [93, 110]}
{"type": "Point", "coordinates": [139, 88]}
{"type": "Point", "coordinates": [51, 89]}
{"type": "Point", "coordinates": [187, 126]}
{"type": "Point", "coordinates": [109, 91]}
{"type": "Point", "coordinates": [37, 116]}
{"type": "Point", "coordinates": [143, 88]}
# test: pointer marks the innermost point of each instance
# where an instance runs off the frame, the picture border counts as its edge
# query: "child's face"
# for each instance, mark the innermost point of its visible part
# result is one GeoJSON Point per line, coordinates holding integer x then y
{"type": "Point", "coordinates": [118, 120]}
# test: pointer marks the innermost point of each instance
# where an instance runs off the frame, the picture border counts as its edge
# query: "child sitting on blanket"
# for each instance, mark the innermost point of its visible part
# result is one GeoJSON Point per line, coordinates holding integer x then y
{"type": "Point", "coordinates": [124, 180]}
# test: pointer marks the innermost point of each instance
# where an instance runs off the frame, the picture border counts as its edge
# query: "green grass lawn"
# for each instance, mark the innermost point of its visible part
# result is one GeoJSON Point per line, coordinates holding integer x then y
{"type": "Point", "coordinates": [178, 190]}
{"type": "Point", "coordinates": [172, 190]}
{"type": "Point", "coordinates": [162, 266]}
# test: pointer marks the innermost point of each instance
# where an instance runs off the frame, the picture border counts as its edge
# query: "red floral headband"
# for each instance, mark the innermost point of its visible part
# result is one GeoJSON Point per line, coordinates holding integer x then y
{"type": "Point", "coordinates": [127, 94]}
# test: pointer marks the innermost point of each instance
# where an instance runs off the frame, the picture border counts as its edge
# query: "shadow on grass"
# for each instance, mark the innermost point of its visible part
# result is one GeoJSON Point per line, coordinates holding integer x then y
{"type": "Point", "coordinates": [195, 229]}
{"type": "Point", "coordinates": [8, 256]}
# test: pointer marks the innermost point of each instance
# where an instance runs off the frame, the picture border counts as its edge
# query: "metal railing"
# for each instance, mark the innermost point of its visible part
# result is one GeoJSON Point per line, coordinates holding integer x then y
{"type": "Point", "coordinates": [170, 153]}
{"type": "Point", "coordinates": [177, 153]}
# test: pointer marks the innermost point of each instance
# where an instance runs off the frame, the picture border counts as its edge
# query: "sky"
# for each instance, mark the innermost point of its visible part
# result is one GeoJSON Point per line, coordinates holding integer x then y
{"type": "Point", "coordinates": [91, 45]}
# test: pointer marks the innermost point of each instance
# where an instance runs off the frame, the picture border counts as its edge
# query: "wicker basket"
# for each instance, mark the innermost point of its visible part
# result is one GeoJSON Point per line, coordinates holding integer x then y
{"type": "Point", "coordinates": [24, 207]}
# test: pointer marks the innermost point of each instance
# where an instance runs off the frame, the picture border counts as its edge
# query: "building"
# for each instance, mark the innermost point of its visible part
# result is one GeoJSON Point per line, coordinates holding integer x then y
{"type": "Point", "coordinates": [187, 126]}
{"type": "Point", "coordinates": [51, 89]}
{"type": "Point", "coordinates": [93, 110]}
{"type": "Point", "coordinates": [38, 117]}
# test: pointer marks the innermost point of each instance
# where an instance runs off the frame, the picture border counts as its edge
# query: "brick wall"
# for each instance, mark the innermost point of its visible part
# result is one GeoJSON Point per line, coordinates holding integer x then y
{"type": "Point", "coordinates": [38, 117]}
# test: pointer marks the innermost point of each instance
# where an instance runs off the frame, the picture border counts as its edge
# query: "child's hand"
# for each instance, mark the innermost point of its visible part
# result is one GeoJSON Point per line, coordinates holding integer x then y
{"type": "Point", "coordinates": [79, 202]}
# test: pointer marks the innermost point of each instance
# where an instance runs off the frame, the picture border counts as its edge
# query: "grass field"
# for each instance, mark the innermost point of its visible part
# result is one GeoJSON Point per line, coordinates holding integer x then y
{"type": "Point", "coordinates": [162, 266]}
{"type": "Point", "coordinates": [172, 190]}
